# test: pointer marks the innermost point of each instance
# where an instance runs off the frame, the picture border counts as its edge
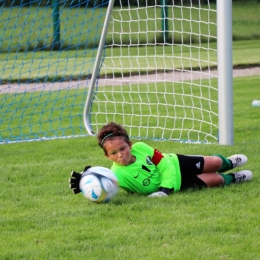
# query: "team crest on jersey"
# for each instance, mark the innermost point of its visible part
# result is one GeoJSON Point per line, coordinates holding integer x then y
{"type": "Point", "coordinates": [149, 160]}
{"type": "Point", "coordinates": [146, 182]}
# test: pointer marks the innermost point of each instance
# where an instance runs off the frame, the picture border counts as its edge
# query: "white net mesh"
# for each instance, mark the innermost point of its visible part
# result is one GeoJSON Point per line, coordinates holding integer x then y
{"type": "Point", "coordinates": [158, 74]}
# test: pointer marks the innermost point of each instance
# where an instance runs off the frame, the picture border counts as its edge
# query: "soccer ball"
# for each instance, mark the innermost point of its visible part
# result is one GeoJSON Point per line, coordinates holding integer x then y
{"type": "Point", "coordinates": [98, 184]}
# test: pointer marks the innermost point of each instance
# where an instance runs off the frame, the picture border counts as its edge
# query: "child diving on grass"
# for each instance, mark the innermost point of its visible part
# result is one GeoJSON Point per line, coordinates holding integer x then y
{"type": "Point", "coordinates": [142, 169]}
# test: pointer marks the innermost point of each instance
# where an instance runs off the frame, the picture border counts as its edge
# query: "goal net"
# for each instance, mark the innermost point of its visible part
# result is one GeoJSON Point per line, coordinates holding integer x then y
{"type": "Point", "coordinates": [47, 51]}
{"type": "Point", "coordinates": [150, 66]}
{"type": "Point", "coordinates": [158, 77]}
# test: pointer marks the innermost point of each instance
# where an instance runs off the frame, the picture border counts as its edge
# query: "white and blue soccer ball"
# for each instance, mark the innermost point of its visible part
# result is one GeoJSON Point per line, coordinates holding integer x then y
{"type": "Point", "coordinates": [98, 184]}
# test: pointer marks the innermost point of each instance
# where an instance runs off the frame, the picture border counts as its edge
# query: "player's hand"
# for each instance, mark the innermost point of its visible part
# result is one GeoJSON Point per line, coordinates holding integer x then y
{"type": "Point", "coordinates": [74, 182]}
{"type": "Point", "coordinates": [158, 194]}
{"type": "Point", "coordinates": [75, 179]}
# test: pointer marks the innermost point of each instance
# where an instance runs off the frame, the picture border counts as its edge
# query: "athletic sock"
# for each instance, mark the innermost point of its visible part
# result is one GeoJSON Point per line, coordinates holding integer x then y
{"type": "Point", "coordinates": [226, 163]}
{"type": "Point", "coordinates": [228, 178]}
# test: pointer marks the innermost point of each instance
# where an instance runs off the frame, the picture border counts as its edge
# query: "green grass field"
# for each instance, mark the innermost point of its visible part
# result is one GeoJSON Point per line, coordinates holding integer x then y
{"type": "Point", "coordinates": [42, 219]}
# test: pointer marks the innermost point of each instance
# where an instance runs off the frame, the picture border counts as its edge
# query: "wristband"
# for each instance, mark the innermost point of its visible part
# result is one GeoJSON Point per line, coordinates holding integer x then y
{"type": "Point", "coordinates": [166, 190]}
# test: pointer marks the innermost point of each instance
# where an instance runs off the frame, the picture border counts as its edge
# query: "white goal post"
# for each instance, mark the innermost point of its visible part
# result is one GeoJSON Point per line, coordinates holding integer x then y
{"type": "Point", "coordinates": [165, 72]}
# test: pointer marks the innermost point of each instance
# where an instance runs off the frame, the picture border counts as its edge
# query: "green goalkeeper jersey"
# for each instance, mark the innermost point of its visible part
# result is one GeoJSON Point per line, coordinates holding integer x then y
{"type": "Point", "coordinates": [150, 171]}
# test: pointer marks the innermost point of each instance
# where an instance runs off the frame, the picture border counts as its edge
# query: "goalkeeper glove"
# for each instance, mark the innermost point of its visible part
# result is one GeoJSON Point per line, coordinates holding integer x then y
{"type": "Point", "coordinates": [74, 181]}
{"type": "Point", "coordinates": [158, 194]}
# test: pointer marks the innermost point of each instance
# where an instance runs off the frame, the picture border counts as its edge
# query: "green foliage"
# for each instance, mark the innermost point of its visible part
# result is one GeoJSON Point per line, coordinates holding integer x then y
{"type": "Point", "coordinates": [42, 219]}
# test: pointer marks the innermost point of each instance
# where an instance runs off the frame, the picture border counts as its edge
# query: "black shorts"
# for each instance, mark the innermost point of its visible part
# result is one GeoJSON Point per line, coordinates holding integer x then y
{"type": "Point", "coordinates": [190, 167]}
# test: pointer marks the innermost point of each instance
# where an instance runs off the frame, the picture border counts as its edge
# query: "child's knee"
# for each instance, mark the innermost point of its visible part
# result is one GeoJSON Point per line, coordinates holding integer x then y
{"type": "Point", "coordinates": [221, 180]}
{"type": "Point", "coordinates": [217, 162]}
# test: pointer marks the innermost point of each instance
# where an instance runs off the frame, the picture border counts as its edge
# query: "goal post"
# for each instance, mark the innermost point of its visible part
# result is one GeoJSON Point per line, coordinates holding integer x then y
{"type": "Point", "coordinates": [225, 72]}
{"type": "Point", "coordinates": [97, 63]}
{"type": "Point", "coordinates": [166, 85]}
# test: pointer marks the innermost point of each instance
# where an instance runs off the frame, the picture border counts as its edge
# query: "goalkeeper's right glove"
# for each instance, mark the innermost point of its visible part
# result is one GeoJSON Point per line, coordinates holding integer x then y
{"type": "Point", "coordinates": [74, 181]}
{"type": "Point", "coordinates": [158, 194]}
{"type": "Point", "coordinates": [163, 192]}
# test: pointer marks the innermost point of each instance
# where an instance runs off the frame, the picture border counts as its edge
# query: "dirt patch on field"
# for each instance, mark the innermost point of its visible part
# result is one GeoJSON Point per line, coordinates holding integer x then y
{"type": "Point", "coordinates": [141, 79]}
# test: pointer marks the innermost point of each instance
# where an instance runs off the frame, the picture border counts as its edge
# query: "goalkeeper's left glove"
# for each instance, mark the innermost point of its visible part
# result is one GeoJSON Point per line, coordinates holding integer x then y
{"type": "Point", "coordinates": [158, 194]}
{"type": "Point", "coordinates": [74, 181]}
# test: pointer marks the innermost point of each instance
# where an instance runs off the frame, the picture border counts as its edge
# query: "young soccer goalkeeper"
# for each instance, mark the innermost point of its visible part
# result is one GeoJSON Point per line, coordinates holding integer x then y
{"type": "Point", "coordinates": [142, 169]}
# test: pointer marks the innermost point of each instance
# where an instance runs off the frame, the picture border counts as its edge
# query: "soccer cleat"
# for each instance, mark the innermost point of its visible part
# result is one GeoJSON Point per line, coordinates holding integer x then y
{"type": "Point", "coordinates": [242, 176]}
{"type": "Point", "coordinates": [237, 160]}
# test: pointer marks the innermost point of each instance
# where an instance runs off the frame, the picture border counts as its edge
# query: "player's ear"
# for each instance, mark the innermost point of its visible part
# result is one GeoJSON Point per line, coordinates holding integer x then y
{"type": "Point", "coordinates": [130, 144]}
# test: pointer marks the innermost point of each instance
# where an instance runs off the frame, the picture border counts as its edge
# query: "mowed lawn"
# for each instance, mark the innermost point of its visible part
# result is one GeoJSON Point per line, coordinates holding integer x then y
{"type": "Point", "coordinates": [42, 219]}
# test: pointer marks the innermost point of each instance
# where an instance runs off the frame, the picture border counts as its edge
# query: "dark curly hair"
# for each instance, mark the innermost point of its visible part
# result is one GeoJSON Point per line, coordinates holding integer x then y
{"type": "Point", "coordinates": [109, 131]}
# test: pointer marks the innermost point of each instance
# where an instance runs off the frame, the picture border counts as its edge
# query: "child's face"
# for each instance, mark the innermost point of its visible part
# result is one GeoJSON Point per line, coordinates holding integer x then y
{"type": "Point", "coordinates": [119, 151]}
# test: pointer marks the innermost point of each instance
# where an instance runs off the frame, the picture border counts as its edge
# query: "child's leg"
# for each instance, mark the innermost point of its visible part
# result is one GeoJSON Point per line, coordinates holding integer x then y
{"type": "Point", "coordinates": [215, 164]}
{"type": "Point", "coordinates": [226, 164]}
{"type": "Point", "coordinates": [232, 161]}
{"type": "Point", "coordinates": [199, 171]}
{"type": "Point", "coordinates": [237, 177]}
{"type": "Point", "coordinates": [228, 178]}
{"type": "Point", "coordinates": [219, 179]}
{"type": "Point", "coordinates": [212, 179]}
{"type": "Point", "coordinates": [211, 164]}
{"type": "Point", "coordinates": [219, 163]}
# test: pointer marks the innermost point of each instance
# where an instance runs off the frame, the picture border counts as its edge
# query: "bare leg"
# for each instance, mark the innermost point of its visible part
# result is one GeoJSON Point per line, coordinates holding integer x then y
{"type": "Point", "coordinates": [209, 176]}
{"type": "Point", "coordinates": [212, 164]}
{"type": "Point", "coordinates": [212, 179]}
